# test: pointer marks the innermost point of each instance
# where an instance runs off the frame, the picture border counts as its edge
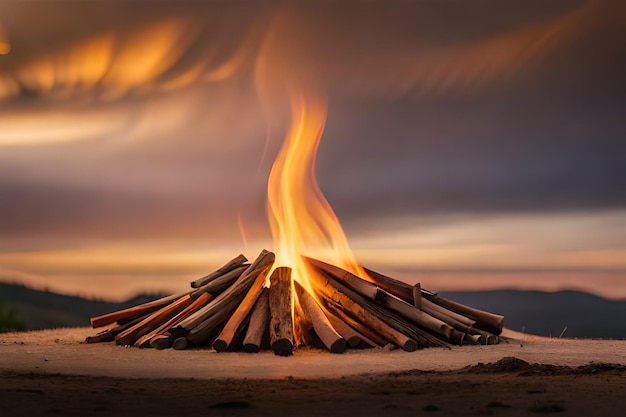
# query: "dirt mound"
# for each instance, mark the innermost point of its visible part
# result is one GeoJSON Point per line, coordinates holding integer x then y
{"type": "Point", "coordinates": [510, 364]}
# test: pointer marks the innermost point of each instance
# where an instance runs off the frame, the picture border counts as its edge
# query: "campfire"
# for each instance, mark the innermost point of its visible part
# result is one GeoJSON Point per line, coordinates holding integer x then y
{"type": "Point", "coordinates": [290, 297]}
{"type": "Point", "coordinates": [252, 306]}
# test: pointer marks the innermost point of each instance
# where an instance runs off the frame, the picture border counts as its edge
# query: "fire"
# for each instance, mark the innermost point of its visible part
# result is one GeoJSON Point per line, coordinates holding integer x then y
{"type": "Point", "coordinates": [303, 222]}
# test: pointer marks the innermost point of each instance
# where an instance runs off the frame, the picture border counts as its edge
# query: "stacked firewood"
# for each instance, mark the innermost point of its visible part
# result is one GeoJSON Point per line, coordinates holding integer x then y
{"type": "Point", "coordinates": [233, 308]}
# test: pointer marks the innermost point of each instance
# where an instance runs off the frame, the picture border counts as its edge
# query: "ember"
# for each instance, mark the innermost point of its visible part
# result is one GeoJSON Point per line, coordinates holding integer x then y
{"type": "Point", "coordinates": [233, 308]}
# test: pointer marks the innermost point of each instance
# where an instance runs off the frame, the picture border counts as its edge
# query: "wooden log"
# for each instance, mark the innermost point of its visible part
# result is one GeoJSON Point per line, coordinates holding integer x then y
{"type": "Point", "coordinates": [446, 315]}
{"type": "Point", "coordinates": [367, 332]}
{"type": "Point", "coordinates": [341, 298]}
{"type": "Point", "coordinates": [259, 323]}
{"type": "Point", "coordinates": [154, 320]}
{"type": "Point", "coordinates": [493, 323]}
{"type": "Point", "coordinates": [280, 299]}
{"type": "Point", "coordinates": [490, 322]}
{"type": "Point", "coordinates": [227, 334]}
{"type": "Point", "coordinates": [358, 284]}
{"type": "Point", "coordinates": [221, 283]}
{"type": "Point", "coordinates": [236, 290]}
{"type": "Point", "coordinates": [146, 340]}
{"type": "Point", "coordinates": [372, 292]}
{"type": "Point", "coordinates": [230, 265]}
{"type": "Point", "coordinates": [414, 314]}
{"type": "Point", "coordinates": [108, 335]}
{"type": "Point", "coordinates": [134, 312]}
{"type": "Point", "coordinates": [417, 295]}
{"type": "Point", "coordinates": [352, 337]}
{"type": "Point", "coordinates": [322, 326]}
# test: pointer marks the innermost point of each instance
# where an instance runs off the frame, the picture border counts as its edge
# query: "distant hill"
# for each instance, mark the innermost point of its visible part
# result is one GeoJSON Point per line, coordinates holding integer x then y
{"type": "Point", "coordinates": [42, 309]}
{"type": "Point", "coordinates": [548, 313]}
{"type": "Point", "coordinates": [534, 312]}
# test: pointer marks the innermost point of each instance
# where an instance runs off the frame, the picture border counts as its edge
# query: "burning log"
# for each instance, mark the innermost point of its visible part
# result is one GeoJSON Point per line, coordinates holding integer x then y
{"type": "Point", "coordinates": [259, 323]}
{"type": "Point", "coordinates": [232, 309]}
{"type": "Point", "coordinates": [281, 324]}
{"type": "Point", "coordinates": [322, 326]}
{"type": "Point", "coordinates": [353, 304]}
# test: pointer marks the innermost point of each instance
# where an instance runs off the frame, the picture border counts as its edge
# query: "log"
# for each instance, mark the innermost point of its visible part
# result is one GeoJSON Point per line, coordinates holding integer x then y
{"type": "Point", "coordinates": [368, 333]}
{"type": "Point", "coordinates": [234, 293]}
{"type": "Point", "coordinates": [372, 292]}
{"type": "Point", "coordinates": [280, 299]}
{"type": "Point", "coordinates": [225, 338]}
{"type": "Point", "coordinates": [154, 320]}
{"type": "Point", "coordinates": [220, 283]}
{"type": "Point", "coordinates": [413, 314]}
{"type": "Point", "coordinates": [230, 265]}
{"type": "Point", "coordinates": [146, 340]}
{"type": "Point", "coordinates": [337, 295]}
{"type": "Point", "coordinates": [134, 312]}
{"type": "Point", "coordinates": [259, 323]}
{"type": "Point", "coordinates": [108, 335]}
{"type": "Point", "coordinates": [417, 295]}
{"type": "Point", "coordinates": [358, 284]}
{"type": "Point", "coordinates": [490, 322]}
{"type": "Point", "coordinates": [322, 326]}
{"type": "Point", "coordinates": [352, 337]}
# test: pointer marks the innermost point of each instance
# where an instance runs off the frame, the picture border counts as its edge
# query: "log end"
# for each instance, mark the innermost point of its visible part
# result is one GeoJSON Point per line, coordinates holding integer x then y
{"type": "Point", "coordinates": [282, 347]}
{"type": "Point", "coordinates": [251, 347]}
{"type": "Point", "coordinates": [220, 345]}
{"type": "Point", "coordinates": [410, 346]}
{"type": "Point", "coordinates": [161, 342]}
{"type": "Point", "coordinates": [339, 346]}
{"type": "Point", "coordinates": [181, 343]}
{"type": "Point", "coordinates": [354, 341]}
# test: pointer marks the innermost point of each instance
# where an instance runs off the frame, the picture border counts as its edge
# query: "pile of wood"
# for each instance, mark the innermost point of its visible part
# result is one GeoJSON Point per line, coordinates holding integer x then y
{"type": "Point", "coordinates": [234, 309]}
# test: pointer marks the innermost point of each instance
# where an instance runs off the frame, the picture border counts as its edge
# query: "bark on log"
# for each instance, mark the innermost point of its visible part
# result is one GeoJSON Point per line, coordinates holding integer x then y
{"type": "Point", "coordinates": [259, 323]}
{"type": "Point", "coordinates": [322, 326]}
{"type": "Point", "coordinates": [225, 338]}
{"type": "Point", "coordinates": [281, 324]}
{"type": "Point", "coordinates": [154, 320]}
{"type": "Point", "coordinates": [367, 332]}
{"type": "Point", "coordinates": [230, 265]}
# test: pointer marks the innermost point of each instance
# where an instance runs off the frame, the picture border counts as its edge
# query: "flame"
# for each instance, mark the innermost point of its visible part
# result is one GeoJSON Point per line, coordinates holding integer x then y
{"type": "Point", "coordinates": [302, 221]}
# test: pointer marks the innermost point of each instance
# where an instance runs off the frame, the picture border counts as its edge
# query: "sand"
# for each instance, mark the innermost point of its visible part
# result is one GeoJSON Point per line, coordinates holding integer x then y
{"type": "Point", "coordinates": [55, 372]}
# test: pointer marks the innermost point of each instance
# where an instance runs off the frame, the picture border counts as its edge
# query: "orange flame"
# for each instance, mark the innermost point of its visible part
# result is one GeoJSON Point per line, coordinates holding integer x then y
{"type": "Point", "coordinates": [302, 221]}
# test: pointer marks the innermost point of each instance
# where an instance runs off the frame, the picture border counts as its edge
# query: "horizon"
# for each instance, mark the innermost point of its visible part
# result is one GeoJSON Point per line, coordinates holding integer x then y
{"type": "Point", "coordinates": [480, 148]}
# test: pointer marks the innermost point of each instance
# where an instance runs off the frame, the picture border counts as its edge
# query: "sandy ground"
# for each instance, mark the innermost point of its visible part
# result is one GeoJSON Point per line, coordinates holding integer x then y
{"type": "Point", "coordinates": [54, 372]}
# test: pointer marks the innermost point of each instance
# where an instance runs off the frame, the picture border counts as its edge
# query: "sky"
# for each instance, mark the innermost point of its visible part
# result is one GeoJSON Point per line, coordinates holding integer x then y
{"type": "Point", "coordinates": [467, 145]}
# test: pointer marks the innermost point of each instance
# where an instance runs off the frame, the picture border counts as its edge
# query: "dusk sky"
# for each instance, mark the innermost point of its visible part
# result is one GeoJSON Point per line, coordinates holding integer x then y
{"type": "Point", "coordinates": [468, 145]}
